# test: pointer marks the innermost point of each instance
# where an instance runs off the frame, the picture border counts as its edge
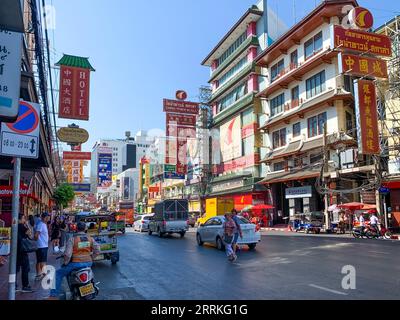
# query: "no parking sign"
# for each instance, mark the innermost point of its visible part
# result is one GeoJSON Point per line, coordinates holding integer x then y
{"type": "Point", "coordinates": [21, 138]}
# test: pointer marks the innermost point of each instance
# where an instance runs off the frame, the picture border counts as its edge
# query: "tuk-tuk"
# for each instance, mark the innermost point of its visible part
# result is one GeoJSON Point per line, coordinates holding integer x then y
{"type": "Point", "coordinates": [119, 222]}
{"type": "Point", "coordinates": [308, 222]}
{"type": "Point", "coordinates": [105, 237]}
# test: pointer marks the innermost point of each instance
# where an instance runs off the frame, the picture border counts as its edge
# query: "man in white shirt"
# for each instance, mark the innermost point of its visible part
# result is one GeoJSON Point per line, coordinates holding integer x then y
{"type": "Point", "coordinates": [42, 239]}
{"type": "Point", "coordinates": [374, 221]}
{"type": "Point", "coordinates": [361, 220]}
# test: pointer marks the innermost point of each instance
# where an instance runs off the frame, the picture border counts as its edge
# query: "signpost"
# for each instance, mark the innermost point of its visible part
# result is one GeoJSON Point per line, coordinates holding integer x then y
{"type": "Point", "coordinates": [19, 140]}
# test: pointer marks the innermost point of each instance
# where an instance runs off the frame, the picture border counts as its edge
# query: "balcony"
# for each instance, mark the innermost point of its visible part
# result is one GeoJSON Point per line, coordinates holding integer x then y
{"type": "Point", "coordinates": [293, 104]}
{"type": "Point", "coordinates": [296, 72]}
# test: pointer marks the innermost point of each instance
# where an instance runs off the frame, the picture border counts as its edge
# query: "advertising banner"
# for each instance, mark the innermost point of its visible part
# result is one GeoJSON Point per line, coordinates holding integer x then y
{"type": "Point", "coordinates": [367, 117]}
{"type": "Point", "coordinates": [175, 106]}
{"type": "Point", "coordinates": [181, 119]}
{"type": "Point", "coordinates": [362, 66]}
{"type": "Point", "coordinates": [360, 41]}
{"type": "Point", "coordinates": [126, 188]}
{"type": "Point", "coordinates": [104, 170]}
{"type": "Point", "coordinates": [81, 187]}
{"type": "Point", "coordinates": [74, 93]}
{"type": "Point", "coordinates": [231, 140]}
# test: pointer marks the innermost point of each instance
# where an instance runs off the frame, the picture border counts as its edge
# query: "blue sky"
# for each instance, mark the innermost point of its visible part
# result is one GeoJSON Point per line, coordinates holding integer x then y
{"type": "Point", "coordinates": [143, 51]}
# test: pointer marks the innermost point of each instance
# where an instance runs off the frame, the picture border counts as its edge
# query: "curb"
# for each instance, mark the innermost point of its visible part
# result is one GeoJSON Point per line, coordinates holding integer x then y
{"type": "Point", "coordinates": [395, 238]}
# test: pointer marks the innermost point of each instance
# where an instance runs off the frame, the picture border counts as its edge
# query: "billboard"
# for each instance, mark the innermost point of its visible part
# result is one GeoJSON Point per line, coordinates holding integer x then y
{"type": "Point", "coordinates": [360, 41]}
{"type": "Point", "coordinates": [231, 139]}
{"type": "Point", "coordinates": [185, 107]}
{"type": "Point", "coordinates": [126, 192]}
{"type": "Point", "coordinates": [367, 117]}
{"type": "Point", "coordinates": [81, 187]}
{"type": "Point", "coordinates": [104, 170]}
{"type": "Point", "coordinates": [362, 66]}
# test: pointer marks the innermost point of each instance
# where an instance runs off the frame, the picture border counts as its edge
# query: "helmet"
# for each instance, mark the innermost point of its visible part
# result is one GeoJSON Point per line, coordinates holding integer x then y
{"type": "Point", "coordinates": [81, 226]}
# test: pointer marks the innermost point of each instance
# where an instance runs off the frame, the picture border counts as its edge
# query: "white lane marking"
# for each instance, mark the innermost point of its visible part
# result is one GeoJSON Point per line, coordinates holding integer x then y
{"type": "Point", "coordinates": [329, 290]}
{"type": "Point", "coordinates": [380, 252]}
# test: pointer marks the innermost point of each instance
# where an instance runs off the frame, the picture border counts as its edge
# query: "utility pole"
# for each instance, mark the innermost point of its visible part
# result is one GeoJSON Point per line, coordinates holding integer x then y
{"type": "Point", "coordinates": [325, 169]}
{"type": "Point", "coordinates": [14, 229]}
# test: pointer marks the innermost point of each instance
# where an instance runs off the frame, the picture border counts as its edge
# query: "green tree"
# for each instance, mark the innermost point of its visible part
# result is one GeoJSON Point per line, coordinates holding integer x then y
{"type": "Point", "coordinates": [64, 194]}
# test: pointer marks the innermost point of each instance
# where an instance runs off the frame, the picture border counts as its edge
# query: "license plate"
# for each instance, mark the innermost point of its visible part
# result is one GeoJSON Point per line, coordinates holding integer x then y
{"type": "Point", "coordinates": [86, 290]}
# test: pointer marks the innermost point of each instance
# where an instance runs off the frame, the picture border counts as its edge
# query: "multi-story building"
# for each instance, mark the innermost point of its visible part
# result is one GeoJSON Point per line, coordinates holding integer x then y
{"type": "Point", "coordinates": [126, 154]}
{"type": "Point", "coordinates": [235, 106]}
{"type": "Point", "coordinates": [389, 93]}
{"type": "Point", "coordinates": [302, 94]}
{"type": "Point", "coordinates": [39, 177]}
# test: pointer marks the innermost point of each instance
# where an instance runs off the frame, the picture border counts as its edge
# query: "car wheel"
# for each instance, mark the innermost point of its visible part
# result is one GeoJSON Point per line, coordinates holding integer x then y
{"type": "Point", "coordinates": [252, 246]}
{"type": "Point", "coordinates": [160, 234]}
{"type": "Point", "coordinates": [182, 234]}
{"type": "Point", "coordinates": [199, 241]}
{"type": "Point", "coordinates": [150, 232]}
{"type": "Point", "coordinates": [220, 244]}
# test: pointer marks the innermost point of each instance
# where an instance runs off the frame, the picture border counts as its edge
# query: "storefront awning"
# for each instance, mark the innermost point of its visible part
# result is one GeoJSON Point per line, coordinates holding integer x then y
{"type": "Point", "coordinates": [291, 175]}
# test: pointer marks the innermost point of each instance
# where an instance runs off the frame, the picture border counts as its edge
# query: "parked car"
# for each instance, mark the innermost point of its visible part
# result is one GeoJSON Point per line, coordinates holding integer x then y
{"type": "Point", "coordinates": [171, 216]}
{"type": "Point", "coordinates": [212, 232]}
{"type": "Point", "coordinates": [142, 222]}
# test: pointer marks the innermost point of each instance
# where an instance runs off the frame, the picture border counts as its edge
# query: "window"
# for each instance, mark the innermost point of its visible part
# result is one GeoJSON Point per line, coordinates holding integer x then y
{"type": "Point", "coordinates": [276, 69]}
{"type": "Point", "coordinates": [315, 85]}
{"type": "Point", "coordinates": [294, 60]}
{"type": "Point", "coordinates": [349, 122]}
{"type": "Point", "coordinates": [248, 146]}
{"type": "Point", "coordinates": [247, 117]}
{"type": "Point", "coordinates": [314, 158]}
{"type": "Point", "coordinates": [232, 97]}
{"type": "Point", "coordinates": [296, 129]}
{"type": "Point", "coordinates": [277, 104]}
{"type": "Point", "coordinates": [313, 45]}
{"type": "Point", "coordinates": [316, 125]}
{"type": "Point", "coordinates": [295, 97]}
{"type": "Point", "coordinates": [279, 166]}
{"type": "Point", "coordinates": [242, 38]}
{"type": "Point", "coordinates": [279, 138]}
{"type": "Point", "coordinates": [233, 71]}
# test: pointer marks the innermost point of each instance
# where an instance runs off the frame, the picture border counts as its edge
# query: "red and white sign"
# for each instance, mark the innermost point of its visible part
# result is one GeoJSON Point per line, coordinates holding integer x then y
{"type": "Point", "coordinates": [76, 148]}
{"type": "Point", "coordinates": [7, 192]}
{"type": "Point", "coordinates": [181, 95]}
{"type": "Point", "coordinates": [362, 66]}
{"type": "Point", "coordinates": [74, 93]}
{"type": "Point", "coordinates": [181, 119]}
{"type": "Point", "coordinates": [70, 155]}
{"type": "Point", "coordinates": [361, 18]}
{"type": "Point", "coordinates": [175, 106]}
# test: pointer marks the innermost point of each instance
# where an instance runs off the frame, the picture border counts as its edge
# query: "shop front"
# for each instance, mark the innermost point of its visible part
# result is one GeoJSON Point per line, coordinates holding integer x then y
{"type": "Point", "coordinates": [392, 201]}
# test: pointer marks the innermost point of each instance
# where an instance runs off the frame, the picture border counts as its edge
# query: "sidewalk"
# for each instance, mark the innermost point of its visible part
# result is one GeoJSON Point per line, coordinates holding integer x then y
{"type": "Point", "coordinates": [39, 293]}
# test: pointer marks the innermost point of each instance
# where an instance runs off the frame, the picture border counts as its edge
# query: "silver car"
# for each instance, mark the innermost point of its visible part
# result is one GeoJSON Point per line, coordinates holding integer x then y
{"type": "Point", "coordinates": [142, 224]}
{"type": "Point", "coordinates": [212, 232]}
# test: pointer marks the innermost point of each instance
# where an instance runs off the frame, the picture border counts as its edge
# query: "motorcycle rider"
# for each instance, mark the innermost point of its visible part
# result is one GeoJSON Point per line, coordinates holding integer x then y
{"type": "Point", "coordinates": [374, 221]}
{"type": "Point", "coordinates": [78, 254]}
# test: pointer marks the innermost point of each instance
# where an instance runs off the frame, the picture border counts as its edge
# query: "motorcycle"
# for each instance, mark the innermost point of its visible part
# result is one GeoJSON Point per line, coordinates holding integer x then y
{"type": "Point", "coordinates": [359, 232]}
{"type": "Point", "coordinates": [81, 284]}
{"type": "Point", "coordinates": [375, 232]}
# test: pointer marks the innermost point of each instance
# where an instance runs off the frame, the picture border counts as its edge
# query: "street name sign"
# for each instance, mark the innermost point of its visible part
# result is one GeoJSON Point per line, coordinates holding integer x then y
{"type": "Point", "coordinates": [21, 138]}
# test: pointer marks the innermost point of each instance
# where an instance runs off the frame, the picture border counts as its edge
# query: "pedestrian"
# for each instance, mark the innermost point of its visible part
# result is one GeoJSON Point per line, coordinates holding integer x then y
{"type": "Point", "coordinates": [63, 232]}
{"type": "Point", "coordinates": [56, 234]}
{"type": "Point", "coordinates": [24, 232]}
{"type": "Point", "coordinates": [342, 223]}
{"type": "Point", "coordinates": [42, 238]}
{"type": "Point", "coordinates": [229, 232]}
{"type": "Point", "coordinates": [238, 231]}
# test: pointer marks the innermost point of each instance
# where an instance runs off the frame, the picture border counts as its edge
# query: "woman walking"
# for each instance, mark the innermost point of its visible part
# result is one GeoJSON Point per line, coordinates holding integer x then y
{"type": "Point", "coordinates": [229, 232]}
{"type": "Point", "coordinates": [56, 234]}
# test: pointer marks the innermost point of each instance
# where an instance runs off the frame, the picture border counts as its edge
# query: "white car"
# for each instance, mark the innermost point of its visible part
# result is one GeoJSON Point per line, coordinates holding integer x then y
{"type": "Point", "coordinates": [212, 232]}
{"type": "Point", "coordinates": [142, 224]}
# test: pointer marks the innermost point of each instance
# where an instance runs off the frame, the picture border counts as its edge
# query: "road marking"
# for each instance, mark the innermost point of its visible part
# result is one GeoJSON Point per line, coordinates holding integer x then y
{"type": "Point", "coordinates": [379, 252]}
{"type": "Point", "coordinates": [329, 290]}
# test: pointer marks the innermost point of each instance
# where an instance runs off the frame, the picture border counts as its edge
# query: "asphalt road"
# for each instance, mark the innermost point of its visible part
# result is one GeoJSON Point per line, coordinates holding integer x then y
{"type": "Point", "coordinates": [282, 267]}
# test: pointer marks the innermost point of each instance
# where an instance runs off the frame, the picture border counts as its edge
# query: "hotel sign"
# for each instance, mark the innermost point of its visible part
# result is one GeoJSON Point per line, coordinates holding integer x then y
{"type": "Point", "coordinates": [367, 117]}
{"type": "Point", "coordinates": [362, 66]}
{"type": "Point", "coordinates": [360, 41]}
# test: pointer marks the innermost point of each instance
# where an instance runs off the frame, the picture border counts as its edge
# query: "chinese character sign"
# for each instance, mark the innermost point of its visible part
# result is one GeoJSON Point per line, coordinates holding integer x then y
{"type": "Point", "coordinates": [74, 93]}
{"type": "Point", "coordinates": [367, 117]}
{"type": "Point", "coordinates": [363, 66]}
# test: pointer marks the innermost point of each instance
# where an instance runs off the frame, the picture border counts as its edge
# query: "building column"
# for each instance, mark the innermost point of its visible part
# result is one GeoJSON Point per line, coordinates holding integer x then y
{"type": "Point", "coordinates": [253, 82]}
{"type": "Point", "coordinates": [252, 29]}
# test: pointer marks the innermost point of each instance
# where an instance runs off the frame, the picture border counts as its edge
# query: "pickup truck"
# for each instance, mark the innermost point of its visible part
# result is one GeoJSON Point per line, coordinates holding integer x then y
{"type": "Point", "coordinates": [170, 216]}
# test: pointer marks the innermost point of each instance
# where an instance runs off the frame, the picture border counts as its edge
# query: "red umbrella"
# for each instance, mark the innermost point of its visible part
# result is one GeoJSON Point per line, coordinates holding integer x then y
{"type": "Point", "coordinates": [351, 206]}
{"type": "Point", "coordinates": [262, 207]}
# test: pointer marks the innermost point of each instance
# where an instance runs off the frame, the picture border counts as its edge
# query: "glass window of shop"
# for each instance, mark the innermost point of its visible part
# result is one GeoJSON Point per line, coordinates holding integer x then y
{"type": "Point", "coordinates": [316, 84]}
{"type": "Point", "coordinates": [242, 38]}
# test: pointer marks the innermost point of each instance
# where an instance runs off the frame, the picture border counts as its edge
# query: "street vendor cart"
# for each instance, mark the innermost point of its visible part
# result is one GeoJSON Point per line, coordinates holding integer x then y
{"type": "Point", "coordinates": [99, 227]}
{"type": "Point", "coordinates": [308, 222]}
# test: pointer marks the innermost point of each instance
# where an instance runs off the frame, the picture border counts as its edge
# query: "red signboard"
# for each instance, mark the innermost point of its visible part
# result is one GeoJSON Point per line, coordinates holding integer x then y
{"type": "Point", "coordinates": [76, 148]}
{"type": "Point", "coordinates": [74, 93]}
{"type": "Point", "coordinates": [181, 95]}
{"type": "Point", "coordinates": [154, 189]}
{"type": "Point", "coordinates": [69, 155]}
{"type": "Point", "coordinates": [181, 119]}
{"type": "Point", "coordinates": [175, 106]}
{"type": "Point", "coordinates": [360, 41]}
{"type": "Point", "coordinates": [7, 192]}
{"type": "Point", "coordinates": [367, 117]}
{"type": "Point", "coordinates": [361, 18]}
{"type": "Point", "coordinates": [363, 66]}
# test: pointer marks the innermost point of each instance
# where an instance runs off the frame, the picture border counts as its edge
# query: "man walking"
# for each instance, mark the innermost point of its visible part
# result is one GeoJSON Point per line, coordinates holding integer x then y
{"type": "Point", "coordinates": [238, 230]}
{"type": "Point", "coordinates": [42, 238]}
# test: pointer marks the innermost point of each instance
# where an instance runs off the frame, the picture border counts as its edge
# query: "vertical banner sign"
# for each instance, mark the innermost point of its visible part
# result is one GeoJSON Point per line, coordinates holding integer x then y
{"type": "Point", "coordinates": [367, 117]}
{"type": "Point", "coordinates": [231, 140]}
{"type": "Point", "coordinates": [74, 87]}
{"type": "Point", "coordinates": [104, 170]}
{"type": "Point", "coordinates": [126, 188]}
{"type": "Point", "coordinates": [10, 74]}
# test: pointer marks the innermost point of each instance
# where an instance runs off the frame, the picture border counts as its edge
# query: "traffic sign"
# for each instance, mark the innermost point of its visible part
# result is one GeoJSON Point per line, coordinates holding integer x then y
{"type": "Point", "coordinates": [384, 190]}
{"type": "Point", "coordinates": [21, 138]}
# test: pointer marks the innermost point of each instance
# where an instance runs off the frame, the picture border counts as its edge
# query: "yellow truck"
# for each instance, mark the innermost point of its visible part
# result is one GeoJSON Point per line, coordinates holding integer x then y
{"type": "Point", "coordinates": [216, 207]}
